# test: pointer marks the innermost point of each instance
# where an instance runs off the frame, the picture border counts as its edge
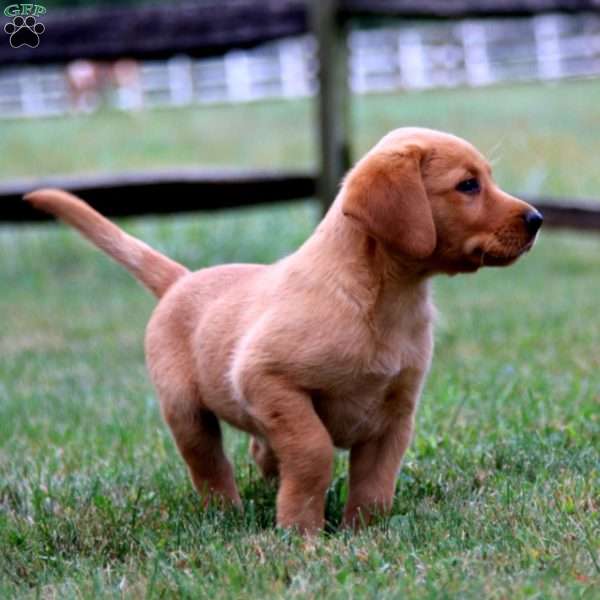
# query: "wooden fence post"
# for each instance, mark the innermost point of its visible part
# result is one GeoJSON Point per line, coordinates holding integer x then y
{"type": "Point", "coordinates": [333, 98]}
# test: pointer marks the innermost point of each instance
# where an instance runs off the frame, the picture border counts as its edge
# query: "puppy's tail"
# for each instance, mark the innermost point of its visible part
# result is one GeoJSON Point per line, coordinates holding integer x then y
{"type": "Point", "coordinates": [154, 270]}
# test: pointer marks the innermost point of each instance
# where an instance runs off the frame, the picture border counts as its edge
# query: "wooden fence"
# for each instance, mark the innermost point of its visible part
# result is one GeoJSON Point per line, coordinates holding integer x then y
{"type": "Point", "coordinates": [211, 28]}
{"type": "Point", "coordinates": [191, 190]}
{"type": "Point", "coordinates": [162, 192]}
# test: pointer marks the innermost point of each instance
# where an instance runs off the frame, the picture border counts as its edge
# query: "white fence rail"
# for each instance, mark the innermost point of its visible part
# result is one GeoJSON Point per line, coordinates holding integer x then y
{"type": "Point", "coordinates": [472, 53]}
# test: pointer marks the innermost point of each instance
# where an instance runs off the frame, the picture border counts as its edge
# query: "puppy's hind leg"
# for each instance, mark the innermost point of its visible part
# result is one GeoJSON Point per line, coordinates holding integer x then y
{"type": "Point", "coordinates": [197, 433]}
{"type": "Point", "coordinates": [196, 430]}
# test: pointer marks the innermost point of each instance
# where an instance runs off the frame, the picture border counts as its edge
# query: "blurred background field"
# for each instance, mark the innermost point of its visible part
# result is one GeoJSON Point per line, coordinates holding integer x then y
{"type": "Point", "coordinates": [500, 492]}
{"type": "Point", "coordinates": [541, 137]}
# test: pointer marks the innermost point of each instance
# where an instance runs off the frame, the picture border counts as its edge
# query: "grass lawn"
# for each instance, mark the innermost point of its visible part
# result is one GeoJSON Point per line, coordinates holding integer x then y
{"type": "Point", "coordinates": [499, 495]}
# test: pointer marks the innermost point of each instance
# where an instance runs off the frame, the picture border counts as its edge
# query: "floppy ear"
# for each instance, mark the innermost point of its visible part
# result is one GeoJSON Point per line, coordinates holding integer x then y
{"type": "Point", "coordinates": [386, 195]}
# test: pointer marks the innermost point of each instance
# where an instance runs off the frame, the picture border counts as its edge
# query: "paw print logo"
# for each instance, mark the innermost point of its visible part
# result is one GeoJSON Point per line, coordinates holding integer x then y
{"type": "Point", "coordinates": [24, 32]}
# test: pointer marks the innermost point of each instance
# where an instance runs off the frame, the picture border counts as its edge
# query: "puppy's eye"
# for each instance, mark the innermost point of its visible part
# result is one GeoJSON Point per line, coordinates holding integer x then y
{"type": "Point", "coordinates": [469, 186]}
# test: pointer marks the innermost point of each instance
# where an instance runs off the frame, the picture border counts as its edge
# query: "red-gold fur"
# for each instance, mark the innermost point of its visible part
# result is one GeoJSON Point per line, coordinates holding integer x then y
{"type": "Point", "coordinates": [330, 345]}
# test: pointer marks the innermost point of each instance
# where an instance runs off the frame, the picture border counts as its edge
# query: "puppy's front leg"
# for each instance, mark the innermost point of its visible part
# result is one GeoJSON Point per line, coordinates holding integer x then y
{"type": "Point", "coordinates": [302, 445]}
{"type": "Point", "coordinates": [374, 464]}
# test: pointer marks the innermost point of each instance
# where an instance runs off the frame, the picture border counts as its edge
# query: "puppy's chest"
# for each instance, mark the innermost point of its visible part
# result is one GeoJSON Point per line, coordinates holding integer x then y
{"type": "Point", "coordinates": [362, 408]}
{"type": "Point", "coordinates": [394, 345]}
{"type": "Point", "coordinates": [395, 351]}
{"type": "Point", "coordinates": [375, 386]}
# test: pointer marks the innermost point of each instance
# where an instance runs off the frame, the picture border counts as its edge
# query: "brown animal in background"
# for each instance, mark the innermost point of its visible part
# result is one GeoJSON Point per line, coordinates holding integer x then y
{"type": "Point", "coordinates": [89, 82]}
{"type": "Point", "coordinates": [330, 345]}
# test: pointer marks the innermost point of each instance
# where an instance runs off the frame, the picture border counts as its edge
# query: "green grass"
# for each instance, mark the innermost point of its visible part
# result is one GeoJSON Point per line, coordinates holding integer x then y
{"type": "Point", "coordinates": [500, 492]}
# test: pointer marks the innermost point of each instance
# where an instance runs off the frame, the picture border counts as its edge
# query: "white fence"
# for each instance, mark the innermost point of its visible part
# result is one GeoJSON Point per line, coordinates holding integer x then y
{"type": "Point", "coordinates": [473, 53]}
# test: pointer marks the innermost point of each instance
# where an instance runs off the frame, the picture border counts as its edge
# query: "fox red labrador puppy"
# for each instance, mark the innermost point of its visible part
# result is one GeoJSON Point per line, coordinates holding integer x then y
{"type": "Point", "coordinates": [328, 346]}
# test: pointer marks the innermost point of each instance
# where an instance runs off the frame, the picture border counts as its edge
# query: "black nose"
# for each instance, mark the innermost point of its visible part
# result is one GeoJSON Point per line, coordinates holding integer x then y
{"type": "Point", "coordinates": [533, 221]}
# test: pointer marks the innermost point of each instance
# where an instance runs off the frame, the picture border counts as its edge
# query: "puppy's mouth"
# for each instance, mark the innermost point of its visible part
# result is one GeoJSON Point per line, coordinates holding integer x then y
{"type": "Point", "coordinates": [494, 259]}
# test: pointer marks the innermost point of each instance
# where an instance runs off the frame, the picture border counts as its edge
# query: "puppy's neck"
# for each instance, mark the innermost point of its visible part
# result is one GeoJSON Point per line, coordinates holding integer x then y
{"type": "Point", "coordinates": [341, 254]}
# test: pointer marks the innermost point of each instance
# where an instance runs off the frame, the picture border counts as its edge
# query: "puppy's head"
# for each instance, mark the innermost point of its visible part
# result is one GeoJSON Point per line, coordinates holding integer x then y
{"type": "Point", "coordinates": [429, 197]}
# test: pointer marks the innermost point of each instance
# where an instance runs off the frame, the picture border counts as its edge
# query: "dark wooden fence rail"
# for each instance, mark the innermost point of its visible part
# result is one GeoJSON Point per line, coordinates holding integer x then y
{"type": "Point", "coordinates": [461, 9]}
{"type": "Point", "coordinates": [191, 190]}
{"type": "Point", "coordinates": [214, 27]}
{"type": "Point", "coordinates": [156, 192]}
{"type": "Point", "coordinates": [564, 214]}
